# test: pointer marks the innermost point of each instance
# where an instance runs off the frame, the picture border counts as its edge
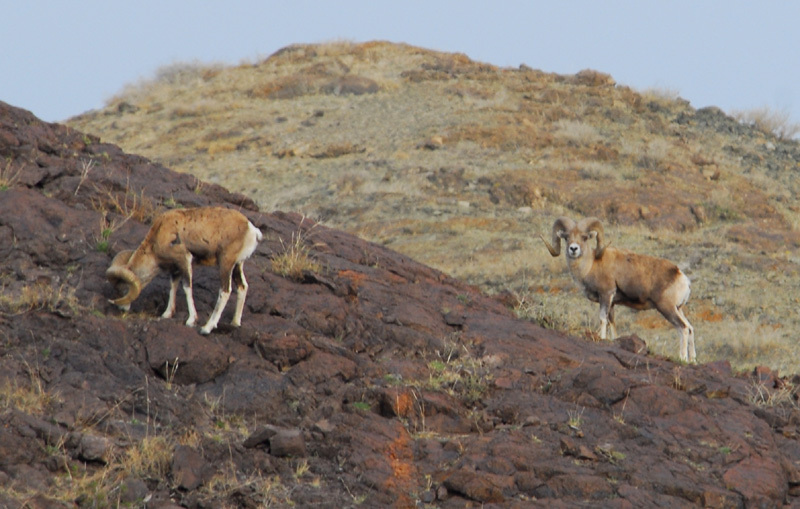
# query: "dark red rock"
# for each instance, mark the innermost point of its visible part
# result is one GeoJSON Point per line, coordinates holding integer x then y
{"type": "Point", "coordinates": [759, 480]}
{"type": "Point", "coordinates": [284, 351]}
{"type": "Point", "coordinates": [181, 355]}
{"type": "Point", "coordinates": [189, 469]}
{"type": "Point", "coordinates": [473, 486]}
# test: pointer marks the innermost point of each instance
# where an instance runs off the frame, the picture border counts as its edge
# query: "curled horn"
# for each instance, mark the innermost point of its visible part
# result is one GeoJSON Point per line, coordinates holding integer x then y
{"type": "Point", "coordinates": [562, 224]}
{"type": "Point", "coordinates": [593, 224]}
{"type": "Point", "coordinates": [119, 271]}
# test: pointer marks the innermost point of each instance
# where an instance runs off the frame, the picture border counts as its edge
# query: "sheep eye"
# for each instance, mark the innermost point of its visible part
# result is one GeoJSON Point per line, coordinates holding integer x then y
{"type": "Point", "coordinates": [585, 237]}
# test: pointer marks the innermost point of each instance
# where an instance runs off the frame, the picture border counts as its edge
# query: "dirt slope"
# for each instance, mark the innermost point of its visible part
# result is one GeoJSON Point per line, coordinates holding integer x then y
{"type": "Point", "coordinates": [367, 379]}
{"type": "Point", "coordinates": [460, 164]}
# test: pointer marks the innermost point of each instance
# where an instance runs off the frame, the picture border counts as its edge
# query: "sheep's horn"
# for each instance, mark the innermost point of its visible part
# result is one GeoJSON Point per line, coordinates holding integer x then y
{"type": "Point", "coordinates": [120, 272]}
{"type": "Point", "coordinates": [554, 251]}
{"type": "Point", "coordinates": [561, 224]}
{"type": "Point", "coordinates": [594, 224]}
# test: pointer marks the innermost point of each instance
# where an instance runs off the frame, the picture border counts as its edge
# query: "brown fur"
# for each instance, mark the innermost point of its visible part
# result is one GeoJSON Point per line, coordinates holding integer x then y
{"type": "Point", "coordinates": [613, 276]}
{"type": "Point", "coordinates": [207, 235]}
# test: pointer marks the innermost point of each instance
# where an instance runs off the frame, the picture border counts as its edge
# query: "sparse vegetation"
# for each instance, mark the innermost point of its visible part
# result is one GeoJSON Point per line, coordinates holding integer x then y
{"type": "Point", "coordinates": [575, 417]}
{"type": "Point", "coordinates": [456, 371]}
{"type": "Point", "coordinates": [148, 459]}
{"type": "Point", "coordinates": [362, 406]}
{"type": "Point", "coordinates": [31, 397]}
{"type": "Point", "coordinates": [769, 120]}
{"type": "Point", "coordinates": [784, 396]}
{"type": "Point", "coordinates": [49, 296]}
{"type": "Point", "coordinates": [106, 229]}
{"type": "Point", "coordinates": [9, 176]}
{"type": "Point", "coordinates": [296, 256]}
{"type": "Point", "coordinates": [86, 167]}
{"type": "Point", "coordinates": [129, 205]}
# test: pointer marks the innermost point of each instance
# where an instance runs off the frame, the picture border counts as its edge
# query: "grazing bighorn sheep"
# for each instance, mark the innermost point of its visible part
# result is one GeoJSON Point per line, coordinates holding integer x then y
{"type": "Point", "coordinates": [615, 276]}
{"type": "Point", "coordinates": [209, 235]}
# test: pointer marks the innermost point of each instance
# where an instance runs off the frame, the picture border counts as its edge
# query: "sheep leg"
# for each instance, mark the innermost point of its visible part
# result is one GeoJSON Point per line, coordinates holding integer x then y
{"type": "Point", "coordinates": [174, 280]}
{"type": "Point", "coordinates": [187, 289]}
{"type": "Point", "coordinates": [688, 332]}
{"type": "Point", "coordinates": [676, 317]}
{"type": "Point", "coordinates": [186, 270]}
{"type": "Point", "coordinates": [606, 306]}
{"type": "Point", "coordinates": [213, 320]}
{"type": "Point", "coordinates": [222, 300]}
{"type": "Point", "coordinates": [612, 324]}
{"type": "Point", "coordinates": [241, 293]}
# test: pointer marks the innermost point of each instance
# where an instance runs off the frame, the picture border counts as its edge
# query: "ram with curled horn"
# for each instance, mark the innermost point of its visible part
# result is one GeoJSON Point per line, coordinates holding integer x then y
{"type": "Point", "coordinates": [613, 276]}
{"type": "Point", "coordinates": [207, 235]}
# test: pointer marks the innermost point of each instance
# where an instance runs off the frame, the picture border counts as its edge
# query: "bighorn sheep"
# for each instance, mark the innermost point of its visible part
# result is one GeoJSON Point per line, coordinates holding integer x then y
{"type": "Point", "coordinates": [209, 235]}
{"type": "Point", "coordinates": [615, 276]}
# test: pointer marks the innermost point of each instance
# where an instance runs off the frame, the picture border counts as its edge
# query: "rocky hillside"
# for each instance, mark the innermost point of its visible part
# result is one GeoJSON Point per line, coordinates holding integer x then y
{"type": "Point", "coordinates": [460, 164]}
{"type": "Point", "coordinates": [359, 377]}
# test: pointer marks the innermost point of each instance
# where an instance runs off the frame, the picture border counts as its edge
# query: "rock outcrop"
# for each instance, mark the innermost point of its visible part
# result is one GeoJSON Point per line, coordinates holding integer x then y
{"type": "Point", "coordinates": [364, 379]}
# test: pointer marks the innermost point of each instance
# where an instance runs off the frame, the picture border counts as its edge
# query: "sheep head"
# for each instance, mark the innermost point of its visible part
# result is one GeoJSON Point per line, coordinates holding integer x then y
{"type": "Point", "coordinates": [576, 236]}
{"type": "Point", "coordinates": [561, 229]}
{"type": "Point", "coordinates": [119, 271]}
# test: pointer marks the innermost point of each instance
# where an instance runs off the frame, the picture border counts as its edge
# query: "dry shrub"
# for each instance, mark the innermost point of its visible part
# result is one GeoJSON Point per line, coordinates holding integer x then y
{"type": "Point", "coordinates": [338, 150]}
{"type": "Point", "coordinates": [592, 78]}
{"type": "Point", "coordinates": [463, 90]}
{"type": "Point", "coordinates": [287, 87]}
{"type": "Point", "coordinates": [306, 81]}
{"type": "Point", "coordinates": [129, 205]}
{"type": "Point", "coordinates": [456, 371]}
{"type": "Point", "coordinates": [511, 136]}
{"type": "Point", "coordinates": [201, 109]}
{"type": "Point", "coordinates": [770, 121]}
{"type": "Point", "coordinates": [40, 295]}
{"type": "Point", "coordinates": [31, 398]}
{"type": "Point", "coordinates": [350, 85]}
{"type": "Point", "coordinates": [183, 73]}
{"type": "Point", "coordinates": [149, 459]}
{"type": "Point", "coordinates": [221, 147]}
{"type": "Point", "coordinates": [577, 133]}
{"type": "Point", "coordinates": [296, 257]}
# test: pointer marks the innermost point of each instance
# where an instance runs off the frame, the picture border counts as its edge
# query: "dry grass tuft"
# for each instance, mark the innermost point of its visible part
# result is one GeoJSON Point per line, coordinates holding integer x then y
{"type": "Point", "coordinates": [296, 257]}
{"type": "Point", "coordinates": [148, 459]}
{"type": "Point", "coordinates": [48, 296]}
{"type": "Point", "coordinates": [9, 176]}
{"type": "Point", "coordinates": [31, 398]}
{"type": "Point", "coordinates": [456, 371]}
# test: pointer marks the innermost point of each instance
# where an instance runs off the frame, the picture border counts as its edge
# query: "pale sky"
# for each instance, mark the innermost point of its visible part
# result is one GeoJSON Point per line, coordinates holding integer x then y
{"type": "Point", "coordinates": [60, 59]}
